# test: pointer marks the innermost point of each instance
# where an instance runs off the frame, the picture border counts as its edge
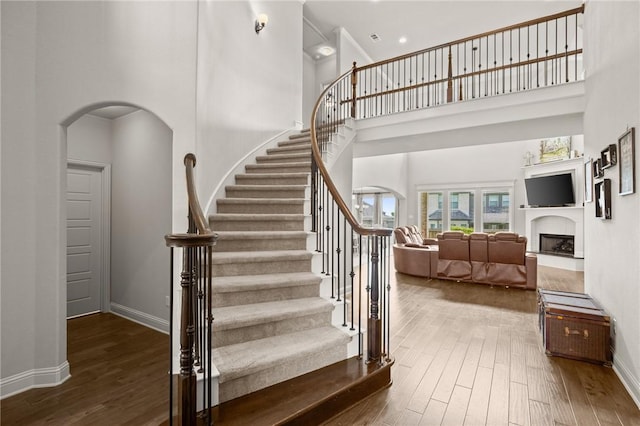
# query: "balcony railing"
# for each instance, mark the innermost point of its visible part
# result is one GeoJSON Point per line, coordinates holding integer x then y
{"type": "Point", "coordinates": [536, 53]}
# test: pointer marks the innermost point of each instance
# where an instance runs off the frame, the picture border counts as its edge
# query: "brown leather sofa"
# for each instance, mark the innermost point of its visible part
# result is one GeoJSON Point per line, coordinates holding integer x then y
{"type": "Point", "coordinates": [499, 258]}
{"type": "Point", "coordinates": [412, 254]}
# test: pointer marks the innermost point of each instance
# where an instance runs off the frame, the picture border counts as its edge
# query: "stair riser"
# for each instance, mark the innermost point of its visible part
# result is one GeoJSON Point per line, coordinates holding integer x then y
{"type": "Point", "coordinates": [302, 142]}
{"type": "Point", "coordinates": [257, 225]}
{"type": "Point", "coordinates": [278, 168]}
{"type": "Point", "coordinates": [270, 159]}
{"type": "Point", "coordinates": [258, 268]}
{"type": "Point", "coordinates": [265, 193]}
{"type": "Point", "coordinates": [268, 295]}
{"type": "Point", "coordinates": [267, 208]}
{"type": "Point", "coordinates": [279, 373]}
{"type": "Point", "coordinates": [261, 244]}
{"type": "Point", "coordinates": [250, 180]}
{"type": "Point", "coordinates": [267, 329]}
{"type": "Point", "coordinates": [290, 150]}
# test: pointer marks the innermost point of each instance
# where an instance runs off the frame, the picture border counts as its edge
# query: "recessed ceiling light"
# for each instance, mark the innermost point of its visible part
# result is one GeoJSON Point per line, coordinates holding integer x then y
{"type": "Point", "coordinates": [402, 40]}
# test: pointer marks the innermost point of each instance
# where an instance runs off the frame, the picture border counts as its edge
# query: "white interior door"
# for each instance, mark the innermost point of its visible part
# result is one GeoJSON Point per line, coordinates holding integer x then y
{"type": "Point", "coordinates": [84, 240]}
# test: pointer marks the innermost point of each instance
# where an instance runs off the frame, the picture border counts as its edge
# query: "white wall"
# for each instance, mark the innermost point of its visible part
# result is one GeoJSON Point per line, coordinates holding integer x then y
{"type": "Point", "coordinates": [403, 173]}
{"type": "Point", "coordinates": [61, 59]}
{"type": "Point", "coordinates": [90, 138]}
{"type": "Point", "coordinates": [249, 85]}
{"type": "Point", "coordinates": [19, 184]}
{"type": "Point", "coordinates": [309, 89]}
{"type": "Point", "coordinates": [612, 247]}
{"type": "Point", "coordinates": [349, 51]}
{"type": "Point", "coordinates": [141, 216]}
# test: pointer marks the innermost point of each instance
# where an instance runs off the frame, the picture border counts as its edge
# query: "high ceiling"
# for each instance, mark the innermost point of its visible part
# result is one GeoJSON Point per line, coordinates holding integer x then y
{"type": "Point", "coordinates": [424, 23]}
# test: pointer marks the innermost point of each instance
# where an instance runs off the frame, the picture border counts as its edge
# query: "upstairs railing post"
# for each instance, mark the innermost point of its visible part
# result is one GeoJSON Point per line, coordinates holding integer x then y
{"type": "Point", "coordinates": [354, 85]}
{"type": "Point", "coordinates": [374, 329]}
{"type": "Point", "coordinates": [449, 79]}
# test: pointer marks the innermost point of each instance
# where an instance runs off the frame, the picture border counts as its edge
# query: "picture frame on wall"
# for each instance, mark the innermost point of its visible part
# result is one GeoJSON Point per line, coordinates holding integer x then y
{"type": "Point", "coordinates": [588, 181]}
{"type": "Point", "coordinates": [555, 149]}
{"type": "Point", "coordinates": [598, 172]}
{"type": "Point", "coordinates": [603, 199]}
{"type": "Point", "coordinates": [627, 162]}
{"type": "Point", "coordinates": [608, 156]}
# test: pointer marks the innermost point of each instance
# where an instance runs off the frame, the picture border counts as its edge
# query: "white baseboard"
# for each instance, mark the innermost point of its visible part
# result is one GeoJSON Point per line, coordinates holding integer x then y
{"type": "Point", "coordinates": [142, 318]}
{"type": "Point", "coordinates": [628, 381]}
{"type": "Point", "coordinates": [37, 378]}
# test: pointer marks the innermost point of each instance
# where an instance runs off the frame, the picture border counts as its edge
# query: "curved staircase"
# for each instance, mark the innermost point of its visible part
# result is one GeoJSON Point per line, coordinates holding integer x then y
{"type": "Point", "coordinates": [270, 323]}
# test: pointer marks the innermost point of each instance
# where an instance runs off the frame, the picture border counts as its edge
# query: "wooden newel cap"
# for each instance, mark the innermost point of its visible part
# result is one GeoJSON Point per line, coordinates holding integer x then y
{"type": "Point", "coordinates": [191, 240]}
{"type": "Point", "coordinates": [190, 157]}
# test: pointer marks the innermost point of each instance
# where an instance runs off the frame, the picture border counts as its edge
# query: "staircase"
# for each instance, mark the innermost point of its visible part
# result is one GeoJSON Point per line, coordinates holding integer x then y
{"type": "Point", "coordinates": [270, 323]}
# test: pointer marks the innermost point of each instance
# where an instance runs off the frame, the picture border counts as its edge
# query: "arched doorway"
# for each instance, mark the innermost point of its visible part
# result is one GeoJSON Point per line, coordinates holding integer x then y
{"type": "Point", "coordinates": [121, 154]}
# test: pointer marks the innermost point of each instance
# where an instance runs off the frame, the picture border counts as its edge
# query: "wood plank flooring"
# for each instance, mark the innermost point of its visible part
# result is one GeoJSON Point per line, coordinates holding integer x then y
{"type": "Point", "coordinates": [469, 354]}
{"type": "Point", "coordinates": [465, 354]}
{"type": "Point", "coordinates": [118, 377]}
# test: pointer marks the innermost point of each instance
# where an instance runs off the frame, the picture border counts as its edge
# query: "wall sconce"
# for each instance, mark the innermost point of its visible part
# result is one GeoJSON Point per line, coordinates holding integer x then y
{"type": "Point", "coordinates": [261, 22]}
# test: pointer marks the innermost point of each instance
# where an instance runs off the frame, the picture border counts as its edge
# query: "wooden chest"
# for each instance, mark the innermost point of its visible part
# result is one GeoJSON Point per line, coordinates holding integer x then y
{"type": "Point", "coordinates": [573, 325]}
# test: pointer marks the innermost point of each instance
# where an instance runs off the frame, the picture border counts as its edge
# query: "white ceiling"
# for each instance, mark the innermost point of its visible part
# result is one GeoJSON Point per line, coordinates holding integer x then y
{"type": "Point", "coordinates": [424, 23]}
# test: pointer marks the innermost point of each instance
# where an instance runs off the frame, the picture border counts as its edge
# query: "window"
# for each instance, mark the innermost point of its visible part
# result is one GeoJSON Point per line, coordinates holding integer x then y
{"type": "Point", "coordinates": [496, 212]}
{"type": "Point", "coordinates": [375, 209]}
{"type": "Point", "coordinates": [461, 211]}
{"type": "Point", "coordinates": [431, 213]}
{"type": "Point", "coordinates": [468, 208]}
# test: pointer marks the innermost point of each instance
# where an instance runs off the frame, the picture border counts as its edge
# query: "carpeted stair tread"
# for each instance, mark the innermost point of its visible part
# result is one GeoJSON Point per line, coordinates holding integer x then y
{"type": "Point", "coordinates": [297, 166]}
{"type": "Point", "coordinates": [296, 142]}
{"type": "Point", "coordinates": [250, 357]}
{"type": "Point", "coordinates": [266, 187]}
{"type": "Point", "coordinates": [260, 200]}
{"type": "Point", "coordinates": [254, 216]}
{"type": "Point", "coordinates": [239, 316]}
{"type": "Point", "coordinates": [221, 258]}
{"type": "Point", "coordinates": [261, 282]}
{"type": "Point", "coordinates": [290, 149]}
{"type": "Point", "coordinates": [261, 235]}
{"type": "Point", "coordinates": [282, 157]}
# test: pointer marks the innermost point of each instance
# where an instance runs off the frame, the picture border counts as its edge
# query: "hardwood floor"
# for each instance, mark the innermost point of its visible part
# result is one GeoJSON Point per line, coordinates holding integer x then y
{"type": "Point", "coordinates": [118, 377]}
{"type": "Point", "coordinates": [468, 354]}
{"type": "Point", "coordinates": [464, 354]}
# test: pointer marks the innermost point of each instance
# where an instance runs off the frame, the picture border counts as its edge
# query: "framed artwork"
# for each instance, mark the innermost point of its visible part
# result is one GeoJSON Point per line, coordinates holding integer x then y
{"type": "Point", "coordinates": [555, 149]}
{"type": "Point", "coordinates": [597, 168]}
{"type": "Point", "coordinates": [627, 160]}
{"type": "Point", "coordinates": [603, 199]}
{"type": "Point", "coordinates": [588, 181]}
{"type": "Point", "coordinates": [609, 156]}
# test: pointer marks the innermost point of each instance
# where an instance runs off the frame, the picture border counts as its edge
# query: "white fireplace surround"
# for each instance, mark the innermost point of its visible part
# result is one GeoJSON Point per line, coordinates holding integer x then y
{"type": "Point", "coordinates": [558, 220]}
{"type": "Point", "coordinates": [555, 220]}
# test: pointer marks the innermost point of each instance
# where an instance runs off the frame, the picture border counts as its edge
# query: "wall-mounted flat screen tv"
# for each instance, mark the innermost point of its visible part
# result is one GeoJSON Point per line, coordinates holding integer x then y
{"type": "Point", "coordinates": [550, 191]}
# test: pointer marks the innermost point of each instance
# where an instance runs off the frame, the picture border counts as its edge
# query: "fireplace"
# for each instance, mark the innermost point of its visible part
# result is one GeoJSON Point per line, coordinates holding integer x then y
{"type": "Point", "coordinates": [559, 245]}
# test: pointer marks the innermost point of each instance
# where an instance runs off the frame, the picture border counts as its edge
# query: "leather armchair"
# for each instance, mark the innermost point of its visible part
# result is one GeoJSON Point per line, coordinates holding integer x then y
{"type": "Point", "coordinates": [508, 261]}
{"type": "Point", "coordinates": [453, 256]}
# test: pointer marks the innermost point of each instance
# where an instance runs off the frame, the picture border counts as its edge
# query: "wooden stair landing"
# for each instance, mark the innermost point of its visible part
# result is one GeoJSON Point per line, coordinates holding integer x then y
{"type": "Point", "coordinates": [309, 399]}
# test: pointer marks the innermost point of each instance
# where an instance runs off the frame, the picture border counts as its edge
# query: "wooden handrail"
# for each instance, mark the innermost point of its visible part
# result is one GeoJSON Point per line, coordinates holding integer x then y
{"type": "Point", "coordinates": [345, 210]}
{"type": "Point", "coordinates": [474, 37]}
{"type": "Point", "coordinates": [194, 203]}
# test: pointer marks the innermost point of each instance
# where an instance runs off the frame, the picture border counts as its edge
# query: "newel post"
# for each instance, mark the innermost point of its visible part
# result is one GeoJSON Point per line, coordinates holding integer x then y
{"type": "Point", "coordinates": [374, 329]}
{"type": "Point", "coordinates": [450, 79]}
{"type": "Point", "coordinates": [354, 83]}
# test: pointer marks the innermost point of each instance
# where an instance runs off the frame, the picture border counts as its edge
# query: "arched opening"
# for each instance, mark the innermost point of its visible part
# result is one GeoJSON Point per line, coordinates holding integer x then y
{"type": "Point", "coordinates": [118, 196]}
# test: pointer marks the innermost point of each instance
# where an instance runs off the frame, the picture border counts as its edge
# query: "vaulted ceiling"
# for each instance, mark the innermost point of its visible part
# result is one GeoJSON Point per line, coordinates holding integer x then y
{"type": "Point", "coordinates": [424, 23]}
